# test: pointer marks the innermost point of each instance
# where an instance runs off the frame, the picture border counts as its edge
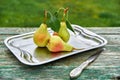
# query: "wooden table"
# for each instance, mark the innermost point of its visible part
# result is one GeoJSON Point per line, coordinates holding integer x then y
{"type": "Point", "coordinates": [105, 67]}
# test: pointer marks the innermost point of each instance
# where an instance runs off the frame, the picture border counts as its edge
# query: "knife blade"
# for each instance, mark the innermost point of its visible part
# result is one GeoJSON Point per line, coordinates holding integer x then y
{"type": "Point", "coordinates": [78, 70]}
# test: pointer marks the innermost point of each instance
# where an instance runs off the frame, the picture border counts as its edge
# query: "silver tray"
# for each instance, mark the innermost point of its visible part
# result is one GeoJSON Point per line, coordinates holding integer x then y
{"type": "Point", "coordinates": [23, 47]}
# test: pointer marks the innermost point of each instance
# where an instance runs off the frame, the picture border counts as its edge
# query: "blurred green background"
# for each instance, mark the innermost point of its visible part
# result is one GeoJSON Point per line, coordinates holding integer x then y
{"type": "Point", "coordinates": [87, 13]}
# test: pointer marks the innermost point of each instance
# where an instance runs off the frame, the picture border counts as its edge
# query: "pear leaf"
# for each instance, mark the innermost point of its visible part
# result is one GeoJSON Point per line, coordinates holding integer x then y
{"type": "Point", "coordinates": [54, 22]}
{"type": "Point", "coordinates": [56, 14]}
{"type": "Point", "coordinates": [69, 25]}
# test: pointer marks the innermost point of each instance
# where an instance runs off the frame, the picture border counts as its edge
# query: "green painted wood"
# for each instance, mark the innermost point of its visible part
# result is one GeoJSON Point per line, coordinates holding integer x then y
{"type": "Point", "coordinates": [105, 67]}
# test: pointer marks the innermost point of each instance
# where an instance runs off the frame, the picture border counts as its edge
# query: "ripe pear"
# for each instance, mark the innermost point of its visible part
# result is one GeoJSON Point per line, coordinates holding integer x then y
{"type": "Point", "coordinates": [63, 32]}
{"type": "Point", "coordinates": [41, 36]}
{"type": "Point", "coordinates": [56, 44]}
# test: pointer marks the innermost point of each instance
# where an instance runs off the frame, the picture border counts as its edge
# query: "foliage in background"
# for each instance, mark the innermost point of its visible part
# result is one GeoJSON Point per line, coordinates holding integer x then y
{"type": "Point", "coordinates": [90, 13]}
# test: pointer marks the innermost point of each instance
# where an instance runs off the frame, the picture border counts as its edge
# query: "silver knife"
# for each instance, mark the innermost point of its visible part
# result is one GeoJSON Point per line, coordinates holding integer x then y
{"type": "Point", "coordinates": [77, 71]}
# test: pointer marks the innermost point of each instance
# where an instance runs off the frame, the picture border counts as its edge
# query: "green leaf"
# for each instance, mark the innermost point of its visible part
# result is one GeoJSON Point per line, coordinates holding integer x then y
{"type": "Point", "coordinates": [54, 23]}
{"type": "Point", "coordinates": [69, 25]}
{"type": "Point", "coordinates": [56, 14]}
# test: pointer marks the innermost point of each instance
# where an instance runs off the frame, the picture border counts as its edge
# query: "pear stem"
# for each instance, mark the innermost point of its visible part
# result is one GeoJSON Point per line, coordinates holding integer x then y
{"type": "Point", "coordinates": [55, 33]}
{"type": "Point", "coordinates": [65, 14]}
{"type": "Point", "coordinates": [66, 10]}
{"type": "Point", "coordinates": [78, 48]}
{"type": "Point", "coordinates": [45, 16]}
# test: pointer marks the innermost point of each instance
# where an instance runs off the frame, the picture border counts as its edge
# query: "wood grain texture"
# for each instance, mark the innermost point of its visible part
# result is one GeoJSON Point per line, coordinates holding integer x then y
{"type": "Point", "coordinates": [105, 67]}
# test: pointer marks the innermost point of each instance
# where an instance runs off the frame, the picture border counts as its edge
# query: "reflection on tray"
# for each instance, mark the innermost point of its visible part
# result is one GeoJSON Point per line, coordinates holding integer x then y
{"type": "Point", "coordinates": [43, 54]}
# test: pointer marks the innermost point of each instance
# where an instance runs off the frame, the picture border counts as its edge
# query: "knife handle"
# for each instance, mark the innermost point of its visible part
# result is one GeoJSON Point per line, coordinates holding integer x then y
{"type": "Point", "coordinates": [77, 71]}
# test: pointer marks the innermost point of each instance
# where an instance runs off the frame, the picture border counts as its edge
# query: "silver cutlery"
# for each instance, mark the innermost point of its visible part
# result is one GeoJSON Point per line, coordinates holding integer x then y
{"type": "Point", "coordinates": [78, 70]}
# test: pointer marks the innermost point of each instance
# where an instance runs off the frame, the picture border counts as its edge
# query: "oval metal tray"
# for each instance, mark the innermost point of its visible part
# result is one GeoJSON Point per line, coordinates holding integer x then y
{"type": "Point", "coordinates": [23, 47]}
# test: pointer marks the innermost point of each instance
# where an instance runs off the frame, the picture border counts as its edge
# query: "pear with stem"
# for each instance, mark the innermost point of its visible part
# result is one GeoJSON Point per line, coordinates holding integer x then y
{"type": "Point", "coordinates": [63, 31]}
{"type": "Point", "coordinates": [41, 35]}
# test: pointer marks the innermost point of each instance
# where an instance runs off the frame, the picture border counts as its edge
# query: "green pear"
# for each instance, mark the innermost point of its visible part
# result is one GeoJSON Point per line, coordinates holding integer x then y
{"type": "Point", "coordinates": [41, 36]}
{"type": "Point", "coordinates": [56, 44]}
{"type": "Point", "coordinates": [63, 32]}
